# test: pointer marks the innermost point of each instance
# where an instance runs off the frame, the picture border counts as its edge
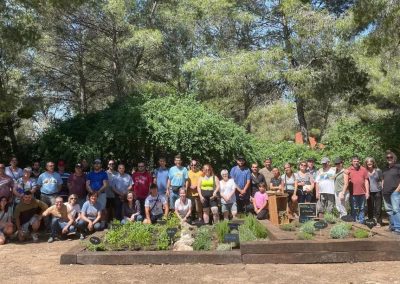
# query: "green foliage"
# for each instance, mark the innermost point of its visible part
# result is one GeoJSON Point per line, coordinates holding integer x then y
{"type": "Point", "coordinates": [203, 238]}
{"type": "Point", "coordinates": [173, 221]}
{"type": "Point", "coordinates": [224, 247]}
{"type": "Point", "coordinates": [361, 234]}
{"type": "Point", "coordinates": [258, 229]}
{"type": "Point", "coordinates": [91, 247]}
{"type": "Point", "coordinates": [222, 228]}
{"type": "Point", "coordinates": [308, 228]}
{"type": "Point", "coordinates": [246, 234]}
{"type": "Point", "coordinates": [288, 227]}
{"type": "Point", "coordinates": [340, 231]}
{"type": "Point", "coordinates": [163, 241]}
{"type": "Point", "coordinates": [304, 236]}
{"type": "Point", "coordinates": [330, 218]}
{"type": "Point", "coordinates": [131, 236]}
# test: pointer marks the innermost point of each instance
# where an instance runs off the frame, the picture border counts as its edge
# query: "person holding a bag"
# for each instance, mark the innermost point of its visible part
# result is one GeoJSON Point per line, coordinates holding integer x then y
{"type": "Point", "coordinates": [177, 178]}
{"type": "Point", "coordinates": [208, 187]}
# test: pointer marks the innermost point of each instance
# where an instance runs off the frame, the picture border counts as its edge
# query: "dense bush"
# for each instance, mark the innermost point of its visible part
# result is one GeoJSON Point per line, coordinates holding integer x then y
{"type": "Point", "coordinates": [308, 228]}
{"type": "Point", "coordinates": [340, 231]}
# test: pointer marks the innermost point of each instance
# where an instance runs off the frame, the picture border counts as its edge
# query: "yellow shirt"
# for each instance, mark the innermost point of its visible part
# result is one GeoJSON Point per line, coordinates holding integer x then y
{"type": "Point", "coordinates": [193, 180]}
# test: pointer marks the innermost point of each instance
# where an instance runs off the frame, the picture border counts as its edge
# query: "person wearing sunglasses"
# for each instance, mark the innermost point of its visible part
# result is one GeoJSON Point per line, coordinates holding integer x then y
{"type": "Point", "coordinates": [391, 191]}
{"type": "Point", "coordinates": [73, 207]}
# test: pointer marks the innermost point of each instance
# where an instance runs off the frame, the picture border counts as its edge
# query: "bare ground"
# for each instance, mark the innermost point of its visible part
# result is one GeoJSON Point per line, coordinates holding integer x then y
{"type": "Point", "coordinates": [39, 263]}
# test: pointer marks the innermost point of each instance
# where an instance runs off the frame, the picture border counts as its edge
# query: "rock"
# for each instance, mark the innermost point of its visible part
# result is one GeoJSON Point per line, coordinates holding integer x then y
{"type": "Point", "coordinates": [179, 246]}
{"type": "Point", "coordinates": [186, 239]}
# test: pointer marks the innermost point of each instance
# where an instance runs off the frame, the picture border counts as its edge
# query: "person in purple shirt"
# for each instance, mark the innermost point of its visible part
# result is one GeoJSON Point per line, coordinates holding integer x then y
{"type": "Point", "coordinates": [242, 177]}
{"type": "Point", "coordinates": [97, 181]}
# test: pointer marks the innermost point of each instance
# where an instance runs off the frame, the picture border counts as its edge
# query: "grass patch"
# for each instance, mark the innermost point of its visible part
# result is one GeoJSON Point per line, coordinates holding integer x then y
{"type": "Point", "coordinates": [304, 236]}
{"type": "Point", "coordinates": [361, 234]}
{"type": "Point", "coordinates": [203, 238]}
{"type": "Point", "coordinates": [330, 218]}
{"type": "Point", "coordinates": [246, 234]}
{"type": "Point", "coordinates": [256, 227]}
{"type": "Point", "coordinates": [222, 228]}
{"type": "Point", "coordinates": [288, 227]}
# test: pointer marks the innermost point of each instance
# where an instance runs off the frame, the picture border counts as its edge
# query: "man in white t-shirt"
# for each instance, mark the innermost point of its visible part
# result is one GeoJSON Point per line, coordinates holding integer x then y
{"type": "Point", "coordinates": [155, 205]}
{"type": "Point", "coordinates": [325, 188]}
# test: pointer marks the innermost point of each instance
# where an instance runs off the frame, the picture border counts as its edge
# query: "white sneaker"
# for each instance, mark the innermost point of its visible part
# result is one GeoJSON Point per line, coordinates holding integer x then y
{"type": "Point", "coordinates": [35, 237]}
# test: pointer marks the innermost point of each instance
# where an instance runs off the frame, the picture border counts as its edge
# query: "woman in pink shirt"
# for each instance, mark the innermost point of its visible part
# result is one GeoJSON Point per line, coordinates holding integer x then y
{"type": "Point", "coordinates": [260, 201]}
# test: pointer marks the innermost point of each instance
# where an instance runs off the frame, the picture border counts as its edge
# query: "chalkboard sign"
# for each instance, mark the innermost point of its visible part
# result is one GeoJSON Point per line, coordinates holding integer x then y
{"type": "Point", "coordinates": [347, 218]}
{"type": "Point", "coordinates": [95, 240]}
{"type": "Point", "coordinates": [370, 223]}
{"type": "Point", "coordinates": [308, 209]}
{"type": "Point", "coordinates": [320, 225]}
{"type": "Point", "coordinates": [231, 238]}
{"type": "Point", "coordinates": [233, 226]}
{"type": "Point", "coordinates": [161, 222]}
{"type": "Point", "coordinates": [303, 219]}
{"type": "Point", "coordinates": [171, 232]}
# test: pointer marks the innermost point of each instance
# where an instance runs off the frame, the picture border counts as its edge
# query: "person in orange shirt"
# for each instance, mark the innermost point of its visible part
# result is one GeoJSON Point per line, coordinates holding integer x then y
{"type": "Point", "coordinates": [194, 174]}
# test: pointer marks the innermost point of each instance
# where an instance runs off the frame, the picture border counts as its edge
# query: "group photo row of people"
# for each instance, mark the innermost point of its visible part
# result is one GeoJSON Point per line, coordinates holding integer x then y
{"type": "Point", "coordinates": [89, 198]}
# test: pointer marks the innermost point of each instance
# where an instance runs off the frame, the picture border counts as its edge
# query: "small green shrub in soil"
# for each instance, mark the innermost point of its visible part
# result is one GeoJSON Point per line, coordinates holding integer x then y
{"type": "Point", "coordinates": [173, 221]}
{"type": "Point", "coordinates": [203, 238]}
{"type": "Point", "coordinates": [361, 234]}
{"type": "Point", "coordinates": [255, 226]}
{"type": "Point", "coordinates": [224, 247]}
{"type": "Point", "coordinates": [308, 227]}
{"type": "Point", "coordinates": [304, 236]}
{"type": "Point", "coordinates": [330, 218]}
{"type": "Point", "coordinates": [131, 236]}
{"type": "Point", "coordinates": [222, 228]}
{"type": "Point", "coordinates": [246, 234]}
{"type": "Point", "coordinates": [339, 231]}
{"type": "Point", "coordinates": [163, 241]}
{"type": "Point", "coordinates": [288, 227]}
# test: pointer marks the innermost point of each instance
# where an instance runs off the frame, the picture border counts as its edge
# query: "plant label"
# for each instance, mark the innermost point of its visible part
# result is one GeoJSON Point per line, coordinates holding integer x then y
{"type": "Point", "coordinates": [370, 223]}
{"type": "Point", "coordinates": [320, 225]}
{"type": "Point", "coordinates": [308, 209]}
{"type": "Point", "coordinates": [231, 238]}
{"type": "Point", "coordinates": [171, 232]}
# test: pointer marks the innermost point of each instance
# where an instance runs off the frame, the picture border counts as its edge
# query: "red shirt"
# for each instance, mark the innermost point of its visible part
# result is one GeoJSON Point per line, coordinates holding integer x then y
{"type": "Point", "coordinates": [357, 178]}
{"type": "Point", "coordinates": [141, 184]}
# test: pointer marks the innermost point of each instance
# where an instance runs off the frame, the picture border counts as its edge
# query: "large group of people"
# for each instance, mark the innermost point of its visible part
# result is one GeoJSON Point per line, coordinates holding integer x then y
{"type": "Point", "coordinates": [87, 199]}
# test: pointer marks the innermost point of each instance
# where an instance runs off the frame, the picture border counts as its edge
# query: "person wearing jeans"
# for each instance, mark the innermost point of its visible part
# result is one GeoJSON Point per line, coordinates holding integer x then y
{"type": "Point", "coordinates": [177, 178]}
{"type": "Point", "coordinates": [391, 191]}
{"type": "Point", "coordinates": [357, 175]}
{"type": "Point", "coordinates": [375, 188]}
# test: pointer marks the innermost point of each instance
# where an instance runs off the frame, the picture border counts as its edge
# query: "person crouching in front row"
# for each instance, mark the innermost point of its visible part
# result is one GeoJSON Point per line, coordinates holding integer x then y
{"type": "Point", "coordinates": [154, 205]}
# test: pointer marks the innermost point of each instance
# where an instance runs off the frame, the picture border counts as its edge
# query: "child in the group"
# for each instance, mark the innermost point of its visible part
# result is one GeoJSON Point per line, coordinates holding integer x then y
{"type": "Point", "coordinates": [260, 201]}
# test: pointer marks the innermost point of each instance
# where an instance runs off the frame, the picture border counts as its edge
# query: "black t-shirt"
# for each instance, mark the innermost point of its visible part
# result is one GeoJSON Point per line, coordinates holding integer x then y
{"type": "Point", "coordinates": [255, 180]}
{"type": "Point", "coordinates": [391, 179]}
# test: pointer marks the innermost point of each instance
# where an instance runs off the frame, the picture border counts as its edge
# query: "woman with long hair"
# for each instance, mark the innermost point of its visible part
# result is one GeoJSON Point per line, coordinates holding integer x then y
{"type": "Point", "coordinates": [6, 226]}
{"type": "Point", "coordinates": [375, 177]}
{"type": "Point", "coordinates": [208, 187]}
{"type": "Point", "coordinates": [289, 185]}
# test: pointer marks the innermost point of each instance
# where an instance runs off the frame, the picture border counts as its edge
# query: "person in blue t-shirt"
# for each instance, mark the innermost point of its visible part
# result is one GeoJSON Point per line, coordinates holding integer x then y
{"type": "Point", "coordinates": [242, 177]}
{"type": "Point", "coordinates": [90, 216]}
{"type": "Point", "coordinates": [97, 181]}
{"type": "Point", "coordinates": [49, 183]}
{"type": "Point", "coordinates": [177, 178]}
{"type": "Point", "coordinates": [160, 176]}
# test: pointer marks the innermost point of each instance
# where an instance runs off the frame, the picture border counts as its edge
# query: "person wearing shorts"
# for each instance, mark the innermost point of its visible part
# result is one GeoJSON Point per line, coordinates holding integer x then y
{"type": "Point", "coordinates": [28, 216]}
{"type": "Point", "coordinates": [227, 189]}
{"type": "Point", "coordinates": [289, 185]}
{"type": "Point", "coordinates": [208, 187]}
{"type": "Point", "coordinates": [325, 188]}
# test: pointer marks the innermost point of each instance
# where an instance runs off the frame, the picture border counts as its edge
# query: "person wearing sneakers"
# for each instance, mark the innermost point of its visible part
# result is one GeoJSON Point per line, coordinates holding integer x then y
{"type": "Point", "coordinates": [61, 220]}
{"type": "Point", "coordinates": [325, 187]}
{"type": "Point", "coordinates": [28, 213]}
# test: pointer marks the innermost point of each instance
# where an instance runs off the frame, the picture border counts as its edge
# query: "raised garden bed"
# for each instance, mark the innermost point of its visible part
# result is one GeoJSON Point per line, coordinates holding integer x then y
{"type": "Point", "coordinates": [280, 247]}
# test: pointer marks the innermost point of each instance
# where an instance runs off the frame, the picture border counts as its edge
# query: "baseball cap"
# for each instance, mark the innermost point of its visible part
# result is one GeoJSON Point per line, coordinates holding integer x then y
{"type": "Point", "coordinates": [78, 165]}
{"type": "Point", "coordinates": [325, 160]}
{"type": "Point", "coordinates": [338, 160]}
{"type": "Point", "coordinates": [97, 161]}
{"type": "Point", "coordinates": [240, 157]}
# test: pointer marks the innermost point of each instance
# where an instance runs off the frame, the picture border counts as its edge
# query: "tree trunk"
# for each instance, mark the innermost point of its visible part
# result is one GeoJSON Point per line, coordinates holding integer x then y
{"type": "Point", "coordinates": [294, 64]}
{"type": "Point", "coordinates": [82, 86]}
{"type": "Point", "coordinates": [13, 138]}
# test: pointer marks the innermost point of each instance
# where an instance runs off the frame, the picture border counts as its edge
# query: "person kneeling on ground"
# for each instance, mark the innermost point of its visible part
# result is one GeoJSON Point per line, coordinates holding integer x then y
{"type": "Point", "coordinates": [28, 214]}
{"type": "Point", "coordinates": [131, 209]}
{"type": "Point", "coordinates": [183, 207]}
{"type": "Point", "coordinates": [6, 226]}
{"type": "Point", "coordinates": [260, 201]}
{"type": "Point", "coordinates": [61, 220]}
{"type": "Point", "coordinates": [154, 205]}
{"type": "Point", "coordinates": [90, 216]}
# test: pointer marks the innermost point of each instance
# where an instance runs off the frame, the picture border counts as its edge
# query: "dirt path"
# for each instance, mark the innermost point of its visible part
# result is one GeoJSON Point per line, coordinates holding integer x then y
{"type": "Point", "coordinates": [39, 263]}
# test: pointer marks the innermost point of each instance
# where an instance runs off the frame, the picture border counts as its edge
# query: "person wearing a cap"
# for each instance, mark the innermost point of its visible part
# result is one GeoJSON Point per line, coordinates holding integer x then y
{"type": "Point", "coordinates": [339, 183]}
{"type": "Point", "coordinates": [97, 181]}
{"type": "Point", "coordinates": [49, 183]}
{"type": "Point", "coordinates": [64, 176]}
{"type": "Point", "coordinates": [325, 188]}
{"type": "Point", "coordinates": [77, 184]}
{"type": "Point", "coordinates": [357, 177]}
{"type": "Point", "coordinates": [25, 183]}
{"type": "Point", "coordinates": [242, 177]}
{"type": "Point", "coordinates": [266, 171]}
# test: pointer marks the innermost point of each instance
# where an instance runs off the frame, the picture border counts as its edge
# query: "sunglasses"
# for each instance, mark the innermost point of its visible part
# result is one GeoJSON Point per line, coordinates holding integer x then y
{"type": "Point", "coordinates": [73, 198]}
{"type": "Point", "coordinates": [389, 157]}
